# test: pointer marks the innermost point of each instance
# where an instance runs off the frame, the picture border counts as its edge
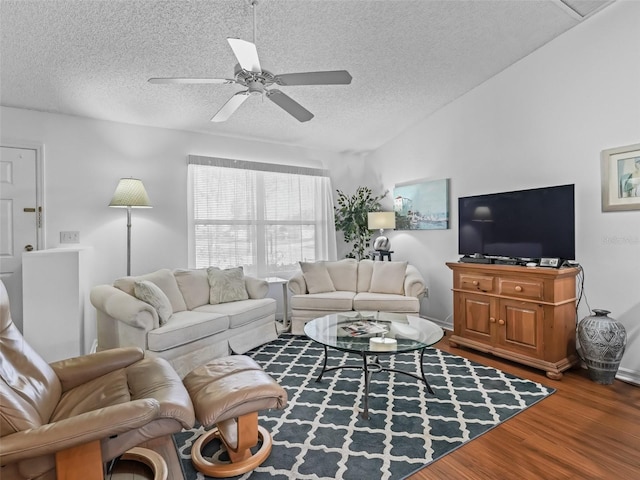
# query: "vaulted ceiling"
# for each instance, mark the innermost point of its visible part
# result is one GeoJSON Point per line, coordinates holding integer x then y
{"type": "Point", "coordinates": [92, 58]}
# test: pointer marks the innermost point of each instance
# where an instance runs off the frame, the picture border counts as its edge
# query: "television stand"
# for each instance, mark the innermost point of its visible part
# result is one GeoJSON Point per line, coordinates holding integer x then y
{"type": "Point", "coordinates": [523, 314]}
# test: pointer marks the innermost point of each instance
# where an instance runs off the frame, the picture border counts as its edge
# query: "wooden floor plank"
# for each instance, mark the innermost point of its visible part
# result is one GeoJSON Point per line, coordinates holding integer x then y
{"type": "Point", "coordinates": [583, 430]}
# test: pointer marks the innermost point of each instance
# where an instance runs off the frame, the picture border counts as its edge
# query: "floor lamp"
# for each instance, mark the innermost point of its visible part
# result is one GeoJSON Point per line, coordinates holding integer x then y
{"type": "Point", "coordinates": [130, 193]}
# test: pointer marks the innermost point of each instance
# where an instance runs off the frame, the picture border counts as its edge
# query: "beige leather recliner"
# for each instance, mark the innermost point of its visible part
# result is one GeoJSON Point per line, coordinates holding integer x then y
{"type": "Point", "coordinates": [116, 397]}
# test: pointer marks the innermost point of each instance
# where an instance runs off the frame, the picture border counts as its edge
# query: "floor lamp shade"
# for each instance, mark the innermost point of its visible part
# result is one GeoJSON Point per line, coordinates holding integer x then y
{"type": "Point", "coordinates": [130, 193]}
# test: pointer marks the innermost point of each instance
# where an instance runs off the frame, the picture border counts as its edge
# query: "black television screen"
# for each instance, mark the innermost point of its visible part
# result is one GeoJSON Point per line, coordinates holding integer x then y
{"type": "Point", "coordinates": [525, 224]}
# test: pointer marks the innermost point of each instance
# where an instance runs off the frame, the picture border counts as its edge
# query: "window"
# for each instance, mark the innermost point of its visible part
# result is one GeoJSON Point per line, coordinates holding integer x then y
{"type": "Point", "coordinates": [264, 217]}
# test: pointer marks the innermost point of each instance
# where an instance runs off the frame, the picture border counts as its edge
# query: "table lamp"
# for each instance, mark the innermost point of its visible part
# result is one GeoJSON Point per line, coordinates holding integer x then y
{"type": "Point", "coordinates": [381, 220]}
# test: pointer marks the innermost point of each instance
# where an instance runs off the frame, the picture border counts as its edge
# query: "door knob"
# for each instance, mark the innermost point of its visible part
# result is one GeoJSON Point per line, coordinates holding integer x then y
{"type": "Point", "coordinates": [28, 248]}
{"type": "Point", "coordinates": [501, 322]}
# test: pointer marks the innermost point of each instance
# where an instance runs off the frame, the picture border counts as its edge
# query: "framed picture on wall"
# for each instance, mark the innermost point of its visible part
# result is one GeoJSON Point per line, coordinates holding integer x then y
{"type": "Point", "coordinates": [620, 170]}
{"type": "Point", "coordinates": [422, 205]}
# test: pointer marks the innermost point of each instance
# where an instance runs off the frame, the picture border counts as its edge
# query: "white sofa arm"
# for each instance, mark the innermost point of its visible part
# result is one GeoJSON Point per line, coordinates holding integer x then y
{"type": "Point", "coordinates": [297, 285]}
{"type": "Point", "coordinates": [256, 288]}
{"type": "Point", "coordinates": [119, 305]}
{"type": "Point", "coordinates": [414, 285]}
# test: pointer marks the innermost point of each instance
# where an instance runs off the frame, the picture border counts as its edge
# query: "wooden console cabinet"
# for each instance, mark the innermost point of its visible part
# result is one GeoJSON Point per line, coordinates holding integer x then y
{"type": "Point", "coordinates": [523, 314]}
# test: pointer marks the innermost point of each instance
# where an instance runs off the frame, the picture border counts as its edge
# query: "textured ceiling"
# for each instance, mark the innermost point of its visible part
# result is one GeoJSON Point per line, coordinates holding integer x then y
{"type": "Point", "coordinates": [92, 58]}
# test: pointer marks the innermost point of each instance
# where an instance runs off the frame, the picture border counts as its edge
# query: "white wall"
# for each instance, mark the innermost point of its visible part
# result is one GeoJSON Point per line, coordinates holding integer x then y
{"type": "Point", "coordinates": [83, 161]}
{"type": "Point", "coordinates": [542, 122]}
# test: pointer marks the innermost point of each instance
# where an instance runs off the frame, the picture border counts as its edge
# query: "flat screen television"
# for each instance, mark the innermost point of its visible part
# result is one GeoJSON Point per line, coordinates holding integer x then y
{"type": "Point", "coordinates": [523, 224]}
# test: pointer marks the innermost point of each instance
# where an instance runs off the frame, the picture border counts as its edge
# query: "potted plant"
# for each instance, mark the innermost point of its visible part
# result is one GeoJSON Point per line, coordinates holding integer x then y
{"type": "Point", "coordinates": [351, 219]}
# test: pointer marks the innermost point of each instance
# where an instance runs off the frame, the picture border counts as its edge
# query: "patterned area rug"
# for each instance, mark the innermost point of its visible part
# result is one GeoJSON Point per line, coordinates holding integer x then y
{"type": "Point", "coordinates": [320, 434]}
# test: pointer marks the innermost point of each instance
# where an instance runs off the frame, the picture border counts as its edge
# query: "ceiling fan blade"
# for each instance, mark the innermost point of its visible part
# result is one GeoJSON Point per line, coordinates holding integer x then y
{"type": "Point", "coordinates": [246, 53]}
{"type": "Point", "coordinates": [334, 77]}
{"type": "Point", "coordinates": [179, 80]}
{"type": "Point", "coordinates": [231, 106]}
{"type": "Point", "coordinates": [289, 105]}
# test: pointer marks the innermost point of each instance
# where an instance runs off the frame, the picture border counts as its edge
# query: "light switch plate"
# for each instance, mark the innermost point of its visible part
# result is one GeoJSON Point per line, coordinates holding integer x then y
{"type": "Point", "coordinates": [69, 237]}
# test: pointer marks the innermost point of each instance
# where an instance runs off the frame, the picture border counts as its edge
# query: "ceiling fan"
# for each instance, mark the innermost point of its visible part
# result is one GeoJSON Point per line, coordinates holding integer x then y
{"type": "Point", "coordinates": [250, 74]}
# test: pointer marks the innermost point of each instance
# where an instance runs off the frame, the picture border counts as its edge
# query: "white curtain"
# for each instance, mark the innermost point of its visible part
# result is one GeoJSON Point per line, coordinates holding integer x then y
{"type": "Point", "coordinates": [264, 217]}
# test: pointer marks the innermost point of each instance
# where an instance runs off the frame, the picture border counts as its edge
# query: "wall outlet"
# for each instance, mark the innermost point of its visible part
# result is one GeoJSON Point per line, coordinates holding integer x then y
{"type": "Point", "coordinates": [69, 237]}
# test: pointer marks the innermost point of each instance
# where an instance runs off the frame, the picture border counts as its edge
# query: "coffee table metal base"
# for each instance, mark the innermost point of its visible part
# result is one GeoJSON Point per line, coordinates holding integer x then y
{"type": "Point", "coordinates": [370, 367]}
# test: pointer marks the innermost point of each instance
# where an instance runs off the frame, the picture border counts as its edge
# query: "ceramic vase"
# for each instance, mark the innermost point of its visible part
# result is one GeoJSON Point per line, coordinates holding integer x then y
{"type": "Point", "coordinates": [602, 342]}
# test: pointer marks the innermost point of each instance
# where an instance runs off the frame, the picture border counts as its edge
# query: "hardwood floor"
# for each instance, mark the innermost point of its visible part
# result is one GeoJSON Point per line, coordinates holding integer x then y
{"type": "Point", "coordinates": [582, 431]}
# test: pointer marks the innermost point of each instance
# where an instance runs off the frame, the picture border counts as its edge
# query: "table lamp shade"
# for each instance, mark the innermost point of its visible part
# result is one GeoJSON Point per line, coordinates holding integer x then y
{"type": "Point", "coordinates": [130, 192]}
{"type": "Point", "coordinates": [381, 220]}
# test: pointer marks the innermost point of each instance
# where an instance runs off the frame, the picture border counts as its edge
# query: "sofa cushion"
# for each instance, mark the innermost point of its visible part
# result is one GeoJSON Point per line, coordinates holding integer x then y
{"type": "Point", "coordinates": [194, 285]}
{"type": "Point", "coordinates": [256, 287]}
{"type": "Point", "coordinates": [317, 277]}
{"type": "Point", "coordinates": [185, 327]}
{"type": "Point", "coordinates": [150, 293]}
{"type": "Point", "coordinates": [385, 302]}
{"type": "Point", "coordinates": [344, 274]}
{"type": "Point", "coordinates": [334, 301]}
{"type": "Point", "coordinates": [164, 279]}
{"type": "Point", "coordinates": [365, 270]}
{"type": "Point", "coordinates": [388, 277]}
{"type": "Point", "coordinates": [242, 312]}
{"type": "Point", "coordinates": [226, 285]}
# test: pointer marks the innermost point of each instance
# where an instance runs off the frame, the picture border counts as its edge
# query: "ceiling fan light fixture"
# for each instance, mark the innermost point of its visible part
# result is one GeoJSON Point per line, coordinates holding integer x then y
{"type": "Point", "coordinates": [256, 87]}
{"type": "Point", "coordinates": [249, 74]}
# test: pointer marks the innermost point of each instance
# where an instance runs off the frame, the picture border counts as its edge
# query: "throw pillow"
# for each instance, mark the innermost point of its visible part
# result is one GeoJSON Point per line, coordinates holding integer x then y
{"type": "Point", "coordinates": [150, 293]}
{"type": "Point", "coordinates": [317, 277]}
{"type": "Point", "coordinates": [194, 285]}
{"type": "Point", "coordinates": [388, 277]}
{"type": "Point", "coordinates": [226, 285]}
{"type": "Point", "coordinates": [164, 279]}
{"type": "Point", "coordinates": [344, 274]}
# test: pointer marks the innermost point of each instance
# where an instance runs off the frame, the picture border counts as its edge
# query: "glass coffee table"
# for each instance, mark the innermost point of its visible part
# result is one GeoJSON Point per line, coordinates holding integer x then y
{"type": "Point", "coordinates": [372, 335]}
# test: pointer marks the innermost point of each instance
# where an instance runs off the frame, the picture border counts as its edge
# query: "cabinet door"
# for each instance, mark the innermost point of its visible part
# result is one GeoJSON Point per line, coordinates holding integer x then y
{"type": "Point", "coordinates": [476, 321]}
{"type": "Point", "coordinates": [520, 327]}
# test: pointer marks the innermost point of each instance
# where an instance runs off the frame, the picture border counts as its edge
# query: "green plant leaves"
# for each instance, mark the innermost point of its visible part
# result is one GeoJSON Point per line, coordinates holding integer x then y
{"type": "Point", "coordinates": [351, 218]}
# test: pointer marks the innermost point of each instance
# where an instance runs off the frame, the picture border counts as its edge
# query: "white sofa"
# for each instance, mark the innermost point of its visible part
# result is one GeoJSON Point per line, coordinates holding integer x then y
{"type": "Point", "coordinates": [321, 288]}
{"type": "Point", "coordinates": [199, 324]}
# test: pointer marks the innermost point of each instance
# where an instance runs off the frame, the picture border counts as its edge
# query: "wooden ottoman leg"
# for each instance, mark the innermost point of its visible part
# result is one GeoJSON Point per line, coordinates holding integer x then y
{"type": "Point", "coordinates": [238, 438]}
{"type": "Point", "coordinates": [228, 393]}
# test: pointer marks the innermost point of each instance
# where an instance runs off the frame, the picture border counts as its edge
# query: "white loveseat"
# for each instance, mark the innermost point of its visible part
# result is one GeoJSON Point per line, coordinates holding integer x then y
{"type": "Point", "coordinates": [321, 288]}
{"type": "Point", "coordinates": [199, 324]}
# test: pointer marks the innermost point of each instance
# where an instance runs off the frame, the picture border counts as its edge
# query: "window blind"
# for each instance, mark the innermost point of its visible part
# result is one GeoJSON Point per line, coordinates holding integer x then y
{"type": "Point", "coordinates": [264, 217]}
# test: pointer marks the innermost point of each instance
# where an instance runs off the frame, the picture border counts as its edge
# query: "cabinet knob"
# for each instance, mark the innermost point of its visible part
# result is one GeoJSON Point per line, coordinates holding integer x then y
{"type": "Point", "coordinates": [492, 320]}
{"type": "Point", "coordinates": [501, 322]}
{"type": "Point", "coordinates": [518, 288]}
{"type": "Point", "coordinates": [475, 282]}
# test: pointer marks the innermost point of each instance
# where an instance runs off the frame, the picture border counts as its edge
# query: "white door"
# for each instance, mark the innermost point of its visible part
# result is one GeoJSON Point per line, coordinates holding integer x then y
{"type": "Point", "coordinates": [20, 218]}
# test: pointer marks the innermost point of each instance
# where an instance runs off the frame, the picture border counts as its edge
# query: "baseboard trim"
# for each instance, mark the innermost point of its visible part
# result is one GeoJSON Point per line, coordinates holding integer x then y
{"type": "Point", "coordinates": [628, 376]}
{"type": "Point", "coordinates": [441, 323]}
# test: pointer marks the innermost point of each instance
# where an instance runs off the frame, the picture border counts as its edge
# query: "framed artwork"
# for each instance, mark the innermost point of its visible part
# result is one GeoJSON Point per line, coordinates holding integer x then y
{"type": "Point", "coordinates": [620, 172]}
{"type": "Point", "coordinates": [422, 205]}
